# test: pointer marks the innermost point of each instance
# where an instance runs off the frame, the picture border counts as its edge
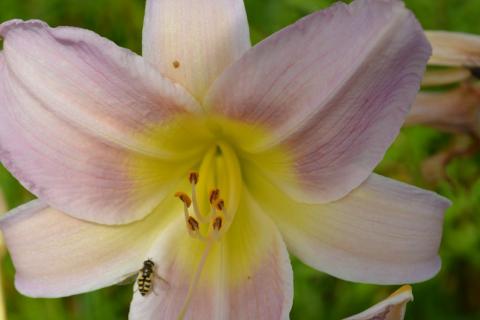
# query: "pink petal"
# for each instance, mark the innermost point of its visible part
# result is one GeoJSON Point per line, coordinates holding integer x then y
{"type": "Point", "coordinates": [192, 42]}
{"type": "Point", "coordinates": [383, 232]}
{"type": "Point", "coordinates": [56, 255]}
{"type": "Point", "coordinates": [247, 275]}
{"type": "Point", "coordinates": [72, 140]}
{"type": "Point", "coordinates": [335, 87]}
{"type": "Point", "coordinates": [87, 80]}
{"type": "Point", "coordinates": [392, 308]}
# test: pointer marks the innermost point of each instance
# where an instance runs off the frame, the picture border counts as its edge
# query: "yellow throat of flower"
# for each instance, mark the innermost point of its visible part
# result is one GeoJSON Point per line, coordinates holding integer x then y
{"type": "Point", "coordinates": [212, 154]}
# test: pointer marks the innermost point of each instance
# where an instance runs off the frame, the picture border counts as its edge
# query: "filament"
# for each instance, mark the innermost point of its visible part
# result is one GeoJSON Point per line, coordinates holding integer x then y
{"type": "Point", "coordinates": [195, 280]}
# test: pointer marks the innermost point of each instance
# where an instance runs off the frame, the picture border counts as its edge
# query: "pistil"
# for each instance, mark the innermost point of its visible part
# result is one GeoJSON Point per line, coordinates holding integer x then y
{"type": "Point", "coordinates": [195, 280]}
{"type": "Point", "coordinates": [193, 178]}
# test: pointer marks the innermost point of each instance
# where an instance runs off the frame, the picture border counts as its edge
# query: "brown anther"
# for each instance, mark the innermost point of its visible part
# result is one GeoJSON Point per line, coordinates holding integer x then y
{"type": "Point", "coordinates": [214, 194]}
{"type": "Point", "coordinates": [217, 223]}
{"type": "Point", "coordinates": [193, 177]}
{"type": "Point", "coordinates": [184, 197]}
{"type": "Point", "coordinates": [176, 64]}
{"type": "Point", "coordinates": [220, 204]}
{"type": "Point", "coordinates": [193, 224]}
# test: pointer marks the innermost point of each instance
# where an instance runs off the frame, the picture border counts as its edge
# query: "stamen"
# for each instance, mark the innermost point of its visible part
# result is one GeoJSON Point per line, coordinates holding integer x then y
{"type": "Point", "coordinates": [184, 197]}
{"type": "Point", "coordinates": [207, 228]}
{"type": "Point", "coordinates": [193, 177]}
{"type": "Point", "coordinates": [193, 224]}
{"type": "Point", "coordinates": [193, 228]}
{"type": "Point", "coordinates": [218, 227]}
{"type": "Point", "coordinates": [210, 227]}
{"type": "Point", "coordinates": [217, 223]}
{"type": "Point", "coordinates": [214, 194]}
{"type": "Point", "coordinates": [219, 205]}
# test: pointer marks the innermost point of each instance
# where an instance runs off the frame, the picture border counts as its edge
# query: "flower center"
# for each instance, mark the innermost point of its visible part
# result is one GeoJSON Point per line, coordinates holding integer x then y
{"type": "Point", "coordinates": [215, 193]}
{"type": "Point", "coordinates": [213, 220]}
{"type": "Point", "coordinates": [210, 209]}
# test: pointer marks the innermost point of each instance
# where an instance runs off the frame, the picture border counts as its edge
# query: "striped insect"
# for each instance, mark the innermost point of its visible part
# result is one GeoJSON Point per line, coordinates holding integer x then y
{"type": "Point", "coordinates": [145, 277]}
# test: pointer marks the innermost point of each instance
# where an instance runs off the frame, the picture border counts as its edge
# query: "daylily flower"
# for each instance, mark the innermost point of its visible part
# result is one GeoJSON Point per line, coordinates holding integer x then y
{"type": "Point", "coordinates": [456, 110]}
{"type": "Point", "coordinates": [265, 148]}
{"type": "Point", "coordinates": [392, 308]}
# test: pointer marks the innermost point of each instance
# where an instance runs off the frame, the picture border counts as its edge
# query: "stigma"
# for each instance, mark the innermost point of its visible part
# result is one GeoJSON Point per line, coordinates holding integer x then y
{"type": "Point", "coordinates": [208, 226]}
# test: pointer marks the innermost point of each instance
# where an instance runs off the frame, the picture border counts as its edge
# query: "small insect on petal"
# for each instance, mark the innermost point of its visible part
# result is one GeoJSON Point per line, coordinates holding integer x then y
{"type": "Point", "coordinates": [145, 277]}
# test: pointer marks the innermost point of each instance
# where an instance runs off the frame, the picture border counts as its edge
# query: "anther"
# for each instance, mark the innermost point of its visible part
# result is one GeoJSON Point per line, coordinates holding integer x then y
{"type": "Point", "coordinates": [193, 224]}
{"type": "Point", "coordinates": [193, 177]}
{"type": "Point", "coordinates": [214, 194]}
{"type": "Point", "coordinates": [184, 197]}
{"type": "Point", "coordinates": [217, 223]}
{"type": "Point", "coordinates": [219, 204]}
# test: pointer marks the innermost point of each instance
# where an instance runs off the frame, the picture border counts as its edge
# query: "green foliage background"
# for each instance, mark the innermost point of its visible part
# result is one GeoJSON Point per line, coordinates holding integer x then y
{"type": "Point", "coordinates": [453, 294]}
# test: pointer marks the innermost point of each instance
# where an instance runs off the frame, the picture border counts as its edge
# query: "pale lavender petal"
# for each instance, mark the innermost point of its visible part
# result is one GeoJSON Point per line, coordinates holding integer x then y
{"type": "Point", "coordinates": [246, 276]}
{"type": "Point", "coordinates": [192, 41]}
{"type": "Point", "coordinates": [72, 107]}
{"type": "Point", "coordinates": [383, 232]}
{"type": "Point", "coordinates": [392, 308]}
{"type": "Point", "coordinates": [334, 88]}
{"type": "Point", "coordinates": [89, 81]}
{"type": "Point", "coordinates": [56, 255]}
